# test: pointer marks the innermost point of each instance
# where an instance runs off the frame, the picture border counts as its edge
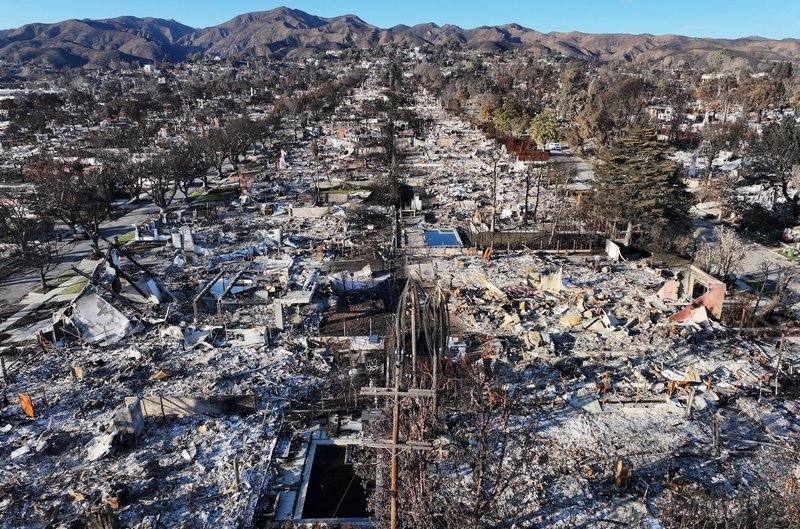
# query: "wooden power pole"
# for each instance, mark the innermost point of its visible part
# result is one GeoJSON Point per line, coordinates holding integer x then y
{"type": "Point", "coordinates": [398, 392]}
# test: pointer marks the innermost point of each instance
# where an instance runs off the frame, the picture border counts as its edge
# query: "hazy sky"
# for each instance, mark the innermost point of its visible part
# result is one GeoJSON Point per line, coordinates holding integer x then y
{"type": "Point", "coordinates": [696, 18]}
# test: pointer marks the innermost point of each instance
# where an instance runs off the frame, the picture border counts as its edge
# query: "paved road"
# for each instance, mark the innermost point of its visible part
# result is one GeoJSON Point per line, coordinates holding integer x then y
{"type": "Point", "coordinates": [756, 255]}
{"type": "Point", "coordinates": [16, 287]}
{"type": "Point", "coordinates": [583, 165]}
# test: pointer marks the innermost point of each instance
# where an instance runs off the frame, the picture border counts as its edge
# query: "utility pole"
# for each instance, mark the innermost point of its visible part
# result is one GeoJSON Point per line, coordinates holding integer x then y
{"type": "Point", "coordinates": [494, 202]}
{"type": "Point", "coordinates": [395, 438]}
{"type": "Point", "coordinates": [397, 392]}
{"type": "Point", "coordinates": [413, 293]}
{"type": "Point", "coordinates": [315, 154]}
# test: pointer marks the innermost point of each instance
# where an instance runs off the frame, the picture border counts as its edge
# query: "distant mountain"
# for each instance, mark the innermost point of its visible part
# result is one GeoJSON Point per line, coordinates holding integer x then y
{"type": "Point", "coordinates": [94, 42]}
{"type": "Point", "coordinates": [281, 31]}
{"type": "Point", "coordinates": [285, 32]}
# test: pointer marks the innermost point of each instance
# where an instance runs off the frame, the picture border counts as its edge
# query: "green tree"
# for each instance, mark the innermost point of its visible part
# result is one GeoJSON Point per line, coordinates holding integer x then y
{"type": "Point", "coordinates": [637, 184]}
{"type": "Point", "coordinates": [511, 117]}
{"type": "Point", "coordinates": [609, 112]}
{"type": "Point", "coordinates": [544, 128]}
{"type": "Point", "coordinates": [487, 111]}
{"type": "Point", "coordinates": [718, 59]}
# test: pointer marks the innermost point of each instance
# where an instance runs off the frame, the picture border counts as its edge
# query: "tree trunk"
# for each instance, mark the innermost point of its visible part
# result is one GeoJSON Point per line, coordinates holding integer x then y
{"type": "Point", "coordinates": [769, 307]}
{"type": "Point", "coordinates": [792, 201]}
{"type": "Point", "coordinates": [316, 180]}
{"type": "Point", "coordinates": [760, 295]}
{"type": "Point", "coordinates": [538, 193]}
{"type": "Point", "coordinates": [527, 198]}
{"type": "Point", "coordinates": [43, 280]}
{"type": "Point", "coordinates": [95, 235]}
{"type": "Point", "coordinates": [629, 233]}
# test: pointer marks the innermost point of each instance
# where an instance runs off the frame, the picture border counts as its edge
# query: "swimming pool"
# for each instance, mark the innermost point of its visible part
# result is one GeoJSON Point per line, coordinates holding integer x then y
{"type": "Point", "coordinates": [443, 237]}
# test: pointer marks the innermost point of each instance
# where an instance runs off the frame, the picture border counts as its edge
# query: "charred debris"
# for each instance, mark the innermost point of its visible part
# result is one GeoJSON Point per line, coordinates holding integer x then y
{"type": "Point", "coordinates": [343, 341]}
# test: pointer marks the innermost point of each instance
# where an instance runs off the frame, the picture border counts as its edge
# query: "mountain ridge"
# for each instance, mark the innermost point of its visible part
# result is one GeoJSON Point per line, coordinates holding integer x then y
{"type": "Point", "coordinates": [292, 33]}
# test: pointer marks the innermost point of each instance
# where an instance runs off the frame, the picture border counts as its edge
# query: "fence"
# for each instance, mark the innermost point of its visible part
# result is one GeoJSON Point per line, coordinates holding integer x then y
{"type": "Point", "coordinates": [541, 241]}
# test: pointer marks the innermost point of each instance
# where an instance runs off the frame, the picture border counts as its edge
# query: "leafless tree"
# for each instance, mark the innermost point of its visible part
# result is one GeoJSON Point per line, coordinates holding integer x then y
{"type": "Point", "coordinates": [189, 165]}
{"type": "Point", "coordinates": [704, 510]}
{"type": "Point", "coordinates": [478, 478]}
{"type": "Point", "coordinates": [765, 270]}
{"type": "Point", "coordinates": [239, 134]}
{"type": "Point", "coordinates": [723, 254]}
{"type": "Point", "coordinates": [76, 194]}
{"type": "Point", "coordinates": [31, 234]}
{"type": "Point", "coordinates": [785, 275]}
{"type": "Point", "coordinates": [716, 137]}
{"type": "Point", "coordinates": [161, 179]}
{"type": "Point", "coordinates": [124, 173]}
{"type": "Point", "coordinates": [533, 178]}
{"type": "Point", "coordinates": [227, 142]}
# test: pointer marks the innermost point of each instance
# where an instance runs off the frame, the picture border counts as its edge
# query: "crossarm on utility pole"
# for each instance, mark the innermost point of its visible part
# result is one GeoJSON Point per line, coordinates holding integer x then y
{"type": "Point", "coordinates": [377, 443]}
{"type": "Point", "coordinates": [397, 393]}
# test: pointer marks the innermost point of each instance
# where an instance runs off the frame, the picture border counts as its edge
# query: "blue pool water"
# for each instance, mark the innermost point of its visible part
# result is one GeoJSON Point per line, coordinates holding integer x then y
{"type": "Point", "coordinates": [442, 238]}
